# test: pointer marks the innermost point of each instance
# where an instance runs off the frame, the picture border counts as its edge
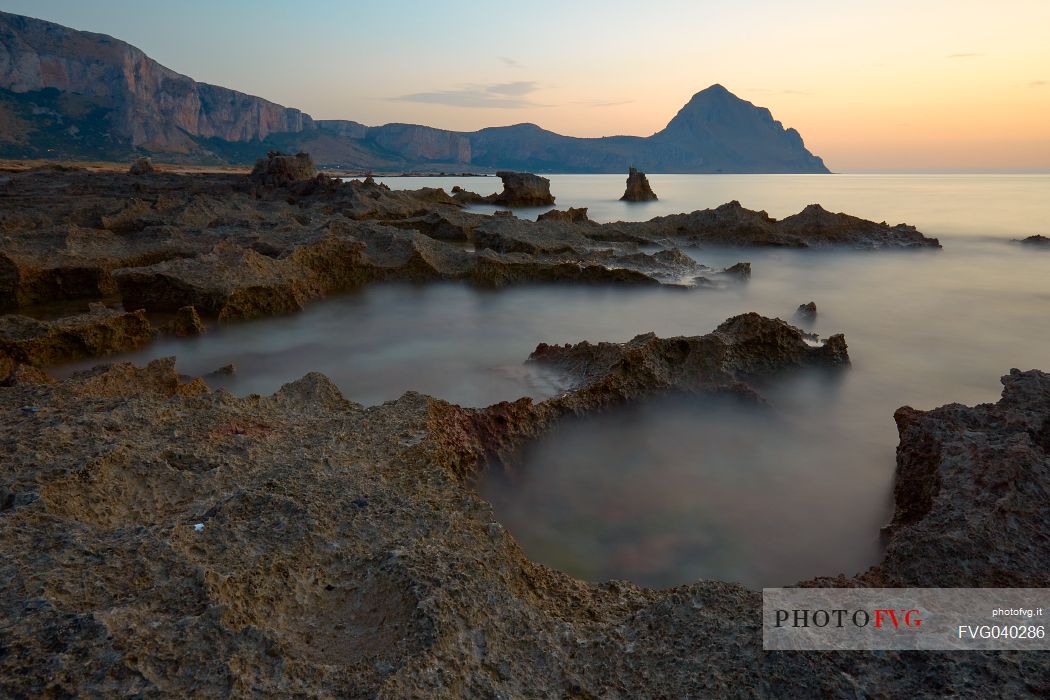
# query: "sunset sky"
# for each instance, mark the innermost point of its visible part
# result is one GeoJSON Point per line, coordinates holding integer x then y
{"type": "Point", "coordinates": [922, 84]}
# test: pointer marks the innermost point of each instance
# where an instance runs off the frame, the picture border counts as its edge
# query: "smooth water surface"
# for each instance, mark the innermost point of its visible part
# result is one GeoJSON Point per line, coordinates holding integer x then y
{"type": "Point", "coordinates": [674, 491]}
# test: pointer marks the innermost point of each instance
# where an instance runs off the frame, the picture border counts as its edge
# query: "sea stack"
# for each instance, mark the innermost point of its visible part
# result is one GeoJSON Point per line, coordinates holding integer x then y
{"type": "Point", "coordinates": [638, 189]}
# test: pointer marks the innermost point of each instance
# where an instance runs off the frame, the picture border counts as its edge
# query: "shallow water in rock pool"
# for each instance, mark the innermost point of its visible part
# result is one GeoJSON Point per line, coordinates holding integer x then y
{"type": "Point", "coordinates": [674, 491]}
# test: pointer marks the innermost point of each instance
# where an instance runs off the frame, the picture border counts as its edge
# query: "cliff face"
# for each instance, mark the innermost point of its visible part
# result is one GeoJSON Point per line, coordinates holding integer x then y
{"type": "Point", "coordinates": [151, 106]}
{"type": "Point", "coordinates": [69, 94]}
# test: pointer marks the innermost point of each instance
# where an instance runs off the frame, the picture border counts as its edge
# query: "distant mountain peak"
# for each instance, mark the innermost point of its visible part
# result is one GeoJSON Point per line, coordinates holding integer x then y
{"type": "Point", "coordinates": [71, 95]}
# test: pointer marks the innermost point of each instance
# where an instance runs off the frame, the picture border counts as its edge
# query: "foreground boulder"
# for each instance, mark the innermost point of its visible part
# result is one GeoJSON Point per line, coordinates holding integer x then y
{"type": "Point", "coordinates": [99, 332]}
{"type": "Point", "coordinates": [973, 492]}
{"type": "Point", "coordinates": [638, 189]}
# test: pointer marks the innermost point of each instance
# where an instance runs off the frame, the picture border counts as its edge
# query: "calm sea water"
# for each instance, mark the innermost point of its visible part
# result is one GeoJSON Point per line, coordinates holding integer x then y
{"type": "Point", "coordinates": [675, 491]}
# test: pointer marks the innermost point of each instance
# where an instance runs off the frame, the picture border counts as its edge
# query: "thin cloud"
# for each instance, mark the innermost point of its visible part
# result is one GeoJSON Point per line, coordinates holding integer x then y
{"type": "Point", "coordinates": [521, 87]}
{"type": "Point", "coordinates": [496, 95]}
{"type": "Point", "coordinates": [602, 103]}
{"type": "Point", "coordinates": [964, 55]}
{"type": "Point", "coordinates": [507, 60]}
{"type": "Point", "coordinates": [1037, 83]}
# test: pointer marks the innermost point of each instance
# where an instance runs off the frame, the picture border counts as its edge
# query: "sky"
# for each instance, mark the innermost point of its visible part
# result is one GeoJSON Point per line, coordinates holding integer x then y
{"type": "Point", "coordinates": [887, 85]}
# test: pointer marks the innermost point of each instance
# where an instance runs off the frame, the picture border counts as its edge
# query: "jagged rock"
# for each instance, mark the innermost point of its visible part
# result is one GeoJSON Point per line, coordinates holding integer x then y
{"type": "Point", "coordinates": [513, 235]}
{"type": "Point", "coordinates": [99, 332]}
{"type": "Point", "coordinates": [573, 215]}
{"type": "Point", "coordinates": [141, 166]}
{"type": "Point", "coordinates": [523, 190]}
{"type": "Point", "coordinates": [23, 375]}
{"type": "Point", "coordinates": [455, 226]}
{"type": "Point", "coordinates": [807, 312]}
{"type": "Point", "coordinates": [743, 348]}
{"type": "Point", "coordinates": [492, 269]}
{"type": "Point", "coordinates": [740, 269]}
{"type": "Point", "coordinates": [732, 225]}
{"type": "Point", "coordinates": [229, 283]}
{"type": "Point", "coordinates": [1036, 240]}
{"type": "Point", "coordinates": [638, 189]}
{"type": "Point", "coordinates": [186, 323]}
{"type": "Point", "coordinates": [280, 169]}
{"type": "Point", "coordinates": [971, 494]}
{"type": "Point", "coordinates": [814, 225]}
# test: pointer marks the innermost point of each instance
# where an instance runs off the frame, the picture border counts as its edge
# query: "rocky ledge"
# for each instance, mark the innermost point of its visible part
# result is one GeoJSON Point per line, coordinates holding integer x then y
{"type": "Point", "coordinates": [162, 539]}
{"type": "Point", "coordinates": [99, 332]}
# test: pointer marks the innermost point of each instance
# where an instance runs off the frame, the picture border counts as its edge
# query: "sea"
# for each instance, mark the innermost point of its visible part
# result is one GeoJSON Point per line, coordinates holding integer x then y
{"type": "Point", "coordinates": [673, 491]}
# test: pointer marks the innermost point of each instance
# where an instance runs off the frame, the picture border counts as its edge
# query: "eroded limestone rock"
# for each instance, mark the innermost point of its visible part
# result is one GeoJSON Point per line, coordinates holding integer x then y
{"type": "Point", "coordinates": [638, 189]}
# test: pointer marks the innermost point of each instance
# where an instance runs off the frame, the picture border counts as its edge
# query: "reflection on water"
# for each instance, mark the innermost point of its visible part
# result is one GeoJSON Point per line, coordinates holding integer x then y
{"type": "Point", "coordinates": [667, 493]}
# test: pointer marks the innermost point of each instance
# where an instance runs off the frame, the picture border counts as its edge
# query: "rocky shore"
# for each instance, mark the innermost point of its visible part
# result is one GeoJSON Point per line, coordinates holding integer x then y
{"type": "Point", "coordinates": [164, 539]}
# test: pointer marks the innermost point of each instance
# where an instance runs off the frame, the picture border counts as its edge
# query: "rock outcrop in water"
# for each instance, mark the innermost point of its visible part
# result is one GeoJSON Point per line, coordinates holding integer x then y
{"type": "Point", "coordinates": [301, 543]}
{"type": "Point", "coordinates": [638, 189]}
{"type": "Point", "coordinates": [1036, 240]}
{"type": "Point", "coordinates": [519, 190]}
{"type": "Point", "coordinates": [807, 312]}
{"type": "Point", "coordinates": [523, 190]}
{"type": "Point", "coordinates": [733, 225]}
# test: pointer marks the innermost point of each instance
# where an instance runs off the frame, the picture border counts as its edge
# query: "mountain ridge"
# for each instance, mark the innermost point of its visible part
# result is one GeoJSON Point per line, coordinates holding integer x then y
{"type": "Point", "coordinates": [68, 94]}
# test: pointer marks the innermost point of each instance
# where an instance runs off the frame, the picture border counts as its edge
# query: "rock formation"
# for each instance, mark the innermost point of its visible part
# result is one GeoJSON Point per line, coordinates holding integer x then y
{"type": "Point", "coordinates": [732, 225]}
{"type": "Point", "coordinates": [279, 169]}
{"type": "Point", "coordinates": [1036, 240]}
{"type": "Point", "coordinates": [523, 190]}
{"type": "Point", "coordinates": [99, 332]}
{"type": "Point", "coordinates": [185, 324]}
{"type": "Point", "coordinates": [807, 312]}
{"type": "Point", "coordinates": [141, 166]}
{"type": "Point", "coordinates": [573, 215]}
{"type": "Point", "coordinates": [638, 189]}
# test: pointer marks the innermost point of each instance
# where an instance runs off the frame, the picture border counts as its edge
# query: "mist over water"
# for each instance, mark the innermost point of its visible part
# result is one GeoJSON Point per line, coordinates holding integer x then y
{"type": "Point", "coordinates": [673, 491]}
